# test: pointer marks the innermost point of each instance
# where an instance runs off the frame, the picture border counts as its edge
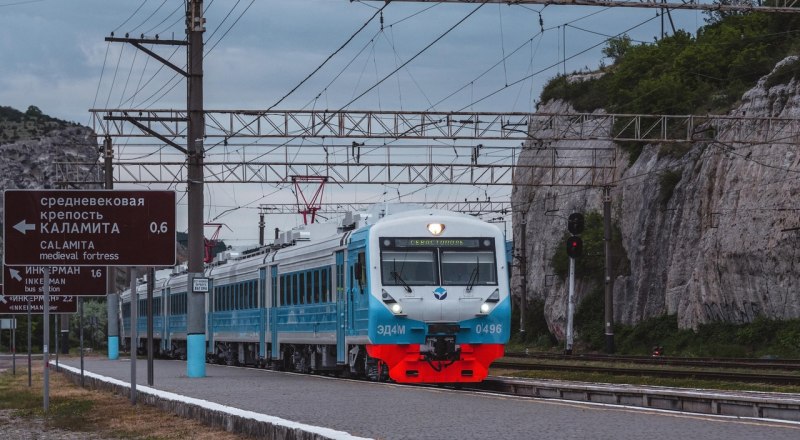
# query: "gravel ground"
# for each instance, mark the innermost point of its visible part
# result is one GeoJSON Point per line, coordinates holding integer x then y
{"type": "Point", "coordinates": [19, 428]}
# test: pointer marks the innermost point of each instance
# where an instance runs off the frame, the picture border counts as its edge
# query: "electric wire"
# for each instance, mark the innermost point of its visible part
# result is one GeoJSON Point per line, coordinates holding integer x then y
{"type": "Point", "coordinates": [342, 46]}
{"type": "Point", "coordinates": [224, 19]}
{"type": "Point", "coordinates": [423, 50]}
{"type": "Point", "coordinates": [231, 27]}
{"type": "Point", "coordinates": [556, 64]}
{"type": "Point", "coordinates": [155, 11]}
{"type": "Point", "coordinates": [130, 17]}
{"type": "Point", "coordinates": [114, 79]}
{"type": "Point", "coordinates": [176, 10]}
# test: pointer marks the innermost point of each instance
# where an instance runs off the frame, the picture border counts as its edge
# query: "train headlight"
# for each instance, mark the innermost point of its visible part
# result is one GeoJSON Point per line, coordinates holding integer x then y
{"type": "Point", "coordinates": [436, 228]}
{"type": "Point", "coordinates": [389, 300]}
{"type": "Point", "coordinates": [487, 305]}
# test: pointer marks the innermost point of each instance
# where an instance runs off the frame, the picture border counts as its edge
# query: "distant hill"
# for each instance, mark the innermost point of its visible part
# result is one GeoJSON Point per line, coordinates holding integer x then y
{"type": "Point", "coordinates": [30, 125]}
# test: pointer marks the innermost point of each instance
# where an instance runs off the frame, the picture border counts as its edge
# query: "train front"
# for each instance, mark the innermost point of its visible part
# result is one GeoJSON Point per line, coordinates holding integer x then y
{"type": "Point", "coordinates": [440, 309]}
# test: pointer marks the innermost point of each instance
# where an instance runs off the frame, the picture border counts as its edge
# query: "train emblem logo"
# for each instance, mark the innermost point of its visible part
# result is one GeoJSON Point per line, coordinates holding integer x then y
{"type": "Point", "coordinates": [440, 293]}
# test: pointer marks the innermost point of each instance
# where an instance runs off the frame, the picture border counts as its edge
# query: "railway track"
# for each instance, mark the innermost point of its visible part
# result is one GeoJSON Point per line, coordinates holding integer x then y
{"type": "Point", "coordinates": [729, 363]}
{"type": "Point", "coordinates": [787, 378]}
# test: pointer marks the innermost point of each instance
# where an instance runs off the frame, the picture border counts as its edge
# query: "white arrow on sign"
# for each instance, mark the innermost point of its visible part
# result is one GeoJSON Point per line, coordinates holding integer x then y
{"type": "Point", "coordinates": [24, 227]}
{"type": "Point", "coordinates": [3, 299]}
{"type": "Point", "coordinates": [15, 274]}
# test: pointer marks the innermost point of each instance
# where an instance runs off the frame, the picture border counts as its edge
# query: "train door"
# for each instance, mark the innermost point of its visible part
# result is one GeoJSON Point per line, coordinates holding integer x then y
{"type": "Point", "coordinates": [357, 300]}
{"type": "Point", "coordinates": [166, 295]}
{"type": "Point", "coordinates": [262, 305]}
{"type": "Point", "coordinates": [273, 312]}
{"type": "Point", "coordinates": [339, 286]}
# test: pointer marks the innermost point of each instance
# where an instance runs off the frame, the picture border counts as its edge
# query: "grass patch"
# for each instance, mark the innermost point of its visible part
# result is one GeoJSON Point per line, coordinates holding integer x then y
{"type": "Point", "coordinates": [76, 409]}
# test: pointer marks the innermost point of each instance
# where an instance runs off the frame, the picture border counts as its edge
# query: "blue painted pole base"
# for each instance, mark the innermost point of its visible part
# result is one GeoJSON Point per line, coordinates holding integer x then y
{"type": "Point", "coordinates": [196, 355]}
{"type": "Point", "coordinates": [113, 347]}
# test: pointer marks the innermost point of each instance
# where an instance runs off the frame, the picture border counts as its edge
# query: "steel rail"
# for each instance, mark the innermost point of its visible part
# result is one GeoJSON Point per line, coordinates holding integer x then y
{"type": "Point", "coordinates": [780, 379]}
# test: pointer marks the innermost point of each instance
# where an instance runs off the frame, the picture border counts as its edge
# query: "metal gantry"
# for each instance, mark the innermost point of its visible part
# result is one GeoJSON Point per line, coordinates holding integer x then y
{"type": "Point", "coordinates": [390, 164]}
{"type": "Point", "coordinates": [586, 167]}
{"type": "Point", "coordinates": [229, 125]}
{"type": "Point", "coordinates": [786, 6]}
{"type": "Point", "coordinates": [476, 207]}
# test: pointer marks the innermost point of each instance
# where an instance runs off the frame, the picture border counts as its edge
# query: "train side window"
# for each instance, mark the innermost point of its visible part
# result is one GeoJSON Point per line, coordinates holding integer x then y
{"type": "Point", "coordinates": [316, 285]}
{"type": "Point", "coordinates": [360, 269]}
{"type": "Point", "coordinates": [273, 294]}
{"type": "Point", "coordinates": [326, 291]}
{"type": "Point", "coordinates": [301, 288]}
{"type": "Point", "coordinates": [309, 287]}
{"type": "Point", "coordinates": [252, 302]}
{"type": "Point", "coordinates": [284, 300]}
{"type": "Point", "coordinates": [295, 299]}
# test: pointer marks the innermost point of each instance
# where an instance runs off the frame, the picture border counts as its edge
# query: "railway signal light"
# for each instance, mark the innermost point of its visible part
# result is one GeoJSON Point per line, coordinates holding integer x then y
{"type": "Point", "coordinates": [575, 223]}
{"type": "Point", "coordinates": [574, 247]}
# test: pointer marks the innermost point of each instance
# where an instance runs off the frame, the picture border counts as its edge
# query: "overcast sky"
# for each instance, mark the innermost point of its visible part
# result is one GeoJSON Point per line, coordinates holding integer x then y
{"type": "Point", "coordinates": [53, 55]}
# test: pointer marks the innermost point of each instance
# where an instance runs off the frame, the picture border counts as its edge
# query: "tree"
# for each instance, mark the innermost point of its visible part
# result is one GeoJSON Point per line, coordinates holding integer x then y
{"type": "Point", "coordinates": [617, 47]}
{"type": "Point", "coordinates": [33, 112]}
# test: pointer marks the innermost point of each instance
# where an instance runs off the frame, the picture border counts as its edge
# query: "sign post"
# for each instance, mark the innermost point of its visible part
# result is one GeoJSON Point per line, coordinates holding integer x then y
{"type": "Point", "coordinates": [80, 325]}
{"type": "Point", "coordinates": [87, 228]}
{"type": "Point", "coordinates": [14, 348]}
{"type": "Point", "coordinates": [46, 342]}
{"type": "Point", "coordinates": [151, 275]}
{"type": "Point", "coordinates": [29, 344]}
{"type": "Point", "coordinates": [134, 324]}
{"type": "Point", "coordinates": [64, 280]}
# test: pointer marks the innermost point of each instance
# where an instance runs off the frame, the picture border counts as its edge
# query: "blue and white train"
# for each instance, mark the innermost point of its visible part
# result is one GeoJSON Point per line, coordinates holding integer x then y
{"type": "Point", "coordinates": [415, 295]}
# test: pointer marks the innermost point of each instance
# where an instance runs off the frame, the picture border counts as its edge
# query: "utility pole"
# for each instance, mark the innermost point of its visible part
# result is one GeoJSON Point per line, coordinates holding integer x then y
{"type": "Point", "coordinates": [112, 298]}
{"type": "Point", "coordinates": [195, 320]}
{"type": "Point", "coordinates": [194, 151]}
{"type": "Point", "coordinates": [522, 264]}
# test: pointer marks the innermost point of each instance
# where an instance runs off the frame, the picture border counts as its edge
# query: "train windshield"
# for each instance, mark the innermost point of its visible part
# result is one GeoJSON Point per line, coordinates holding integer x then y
{"type": "Point", "coordinates": [413, 261]}
{"type": "Point", "coordinates": [468, 268]}
{"type": "Point", "coordinates": [408, 268]}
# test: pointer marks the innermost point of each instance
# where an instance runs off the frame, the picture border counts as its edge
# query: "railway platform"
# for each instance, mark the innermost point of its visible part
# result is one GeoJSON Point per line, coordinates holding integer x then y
{"type": "Point", "coordinates": [280, 405]}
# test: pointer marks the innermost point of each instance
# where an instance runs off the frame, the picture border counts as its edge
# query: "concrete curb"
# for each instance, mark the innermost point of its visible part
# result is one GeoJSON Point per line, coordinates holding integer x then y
{"type": "Point", "coordinates": [213, 414]}
{"type": "Point", "coordinates": [775, 406]}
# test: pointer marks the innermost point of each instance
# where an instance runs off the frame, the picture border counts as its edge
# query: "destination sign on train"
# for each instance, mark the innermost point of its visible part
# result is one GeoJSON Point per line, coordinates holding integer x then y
{"type": "Point", "coordinates": [89, 228]}
{"type": "Point", "coordinates": [19, 303]}
{"type": "Point", "coordinates": [64, 280]}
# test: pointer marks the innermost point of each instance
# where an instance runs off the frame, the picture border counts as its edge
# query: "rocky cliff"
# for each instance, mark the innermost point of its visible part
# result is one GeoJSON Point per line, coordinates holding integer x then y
{"type": "Point", "coordinates": [710, 231]}
{"type": "Point", "coordinates": [30, 149]}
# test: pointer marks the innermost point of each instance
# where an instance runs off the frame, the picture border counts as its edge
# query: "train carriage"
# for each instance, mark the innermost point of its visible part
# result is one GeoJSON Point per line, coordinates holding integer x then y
{"type": "Point", "coordinates": [412, 295]}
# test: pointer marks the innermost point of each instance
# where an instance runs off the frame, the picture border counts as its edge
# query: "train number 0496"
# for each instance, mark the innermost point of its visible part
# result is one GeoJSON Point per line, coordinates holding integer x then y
{"type": "Point", "coordinates": [489, 329]}
{"type": "Point", "coordinates": [391, 330]}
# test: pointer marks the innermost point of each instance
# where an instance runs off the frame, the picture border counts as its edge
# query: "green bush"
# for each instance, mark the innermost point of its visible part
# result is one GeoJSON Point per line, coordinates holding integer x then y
{"type": "Point", "coordinates": [537, 333]}
{"type": "Point", "coordinates": [760, 338]}
{"type": "Point", "coordinates": [684, 74]}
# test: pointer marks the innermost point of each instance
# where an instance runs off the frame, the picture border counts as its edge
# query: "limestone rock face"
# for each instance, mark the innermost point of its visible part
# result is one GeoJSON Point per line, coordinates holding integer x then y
{"type": "Point", "coordinates": [722, 245]}
{"type": "Point", "coordinates": [30, 163]}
